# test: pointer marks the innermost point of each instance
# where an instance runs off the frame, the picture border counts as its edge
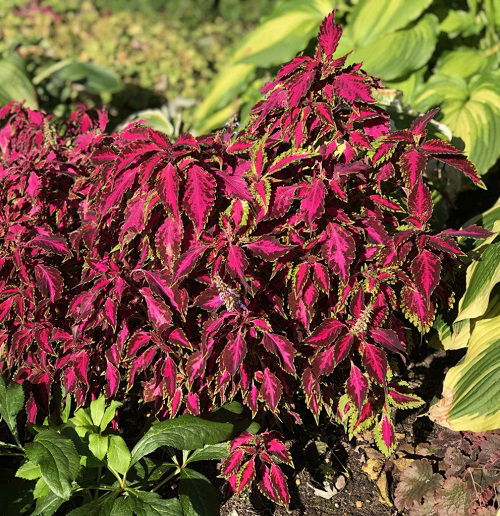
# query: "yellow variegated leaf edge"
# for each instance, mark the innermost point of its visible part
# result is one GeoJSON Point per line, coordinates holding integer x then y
{"type": "Point", "coordinates": [471, 390]}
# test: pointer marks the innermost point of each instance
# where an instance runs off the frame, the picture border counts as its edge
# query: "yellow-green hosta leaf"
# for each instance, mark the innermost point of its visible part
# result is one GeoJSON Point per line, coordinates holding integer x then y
{"type": "Point", "coordinates": [396, 54]}
{"type": "Point", "coordinates": [462, 62]}
{"type": "Point", "coordinates": [482, 275]}
{"type": "Point", "coordinates": [371, 19]}
{"type": "Point", "coordinates": [455, 336]}
{"type": "Point", "coordinates": [410, 85]}
{"type": "Point", "coordinates": [279, 38]}
{"type": "Point", "coordinates": [471, 390]}
{"type": "Point", "coordinates": [471, 110]}
{"type": "Point", "coordinates": [15, 85]}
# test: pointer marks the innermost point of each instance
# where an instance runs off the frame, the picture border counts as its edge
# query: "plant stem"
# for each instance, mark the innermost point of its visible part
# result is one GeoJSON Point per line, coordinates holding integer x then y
{"type": "Point", "coordinates": [165, 480]}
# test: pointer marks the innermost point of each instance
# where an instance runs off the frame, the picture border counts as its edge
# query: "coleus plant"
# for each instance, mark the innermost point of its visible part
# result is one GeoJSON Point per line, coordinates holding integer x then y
{"type": "Point", "coordinates": [243, 264]}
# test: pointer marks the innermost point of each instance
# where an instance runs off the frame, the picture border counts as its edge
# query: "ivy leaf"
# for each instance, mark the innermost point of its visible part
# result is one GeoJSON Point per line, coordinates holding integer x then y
{"type": "Point", "coordinates": [118, 454]}
{"type": "Point", "coordinates": [197, 495]}
{"type": "Point", "coordinates": [97, 410]}
{"type": "Point", "coordinates": [58, 460]}
{"type": "Point", "coordinates": [98, 445]}
{"type": "Point", "coordinates": [11, 403]}
{"type": "Point", "coordinates": [416, 481]}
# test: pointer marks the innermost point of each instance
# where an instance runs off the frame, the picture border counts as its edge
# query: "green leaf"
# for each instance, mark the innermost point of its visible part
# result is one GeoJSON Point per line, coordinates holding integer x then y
{"type": "Point", "coordinates": [471, 110]}
{"type": "Point", "coordinates": [276, 40]}
{"type": "Point", "coordinates": [48, 505]}
{"type": "Point", "coordinates": [371, 19]}
{"type": "Point", "coordinates": [394, 55]}
{"type": "Point", "coordinates": [482, 276]}
{"type": "Point", "coordinates": [188, 432]}
{"type": "Point", "coordinates": [97, 410]}
{"type": "Point", "coordinates": [109, 414]}
{"type": "Point", "coordinates": [11, 403]}
{"type": "Point", "coordinates": [461, 62]}
{"type": "Point", "coordinates": [118, 454]}
{"type": "Point", "coordinates": [107, 505]}
{"type": "Point", "coordinates": [15, 85]}
{"type": "Point", "coordinates": [29, 471]}
{"type": "Point", "coordinates": [82, 421]}
{"type": "Point", "coordinates": [58, 460]}
{"type": "Point", "coordinates": [151, 504]}
{"type": "Point", "coordinates": [197, 494]}
{"type": "Point", "coordinates": [471, 389]}
{"type": "Point", "coordinates": [210, 452]}
{"type": "Point", "coordinates": [41, 489]}
{"type": "Point", "coordinates": [95, 79]}
{"type": "Point", "coordinates": [98, 445]}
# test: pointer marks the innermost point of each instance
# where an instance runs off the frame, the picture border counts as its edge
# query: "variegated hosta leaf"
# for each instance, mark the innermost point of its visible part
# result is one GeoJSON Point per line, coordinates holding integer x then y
{"type": "Point", "coordinates": [471, 389]}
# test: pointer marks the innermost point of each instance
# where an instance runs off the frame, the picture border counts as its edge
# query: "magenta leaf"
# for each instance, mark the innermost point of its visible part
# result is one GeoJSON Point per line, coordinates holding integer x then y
{"type": "Point", "coordinates": [49, 281]}
{"type": "Point", "coordinates": [375, 361]}
{"type": "Point", "coordinates": [352, 88]}
{"type": "Point", "coordinates": [199, 196]}
{"type": "Point", "coordinates": [339, 249]}
{"type": "Point", "coordinates": [426, 270]}
{"type": "Point", "coordinates": [268, 248]}
{"type": "Point", "coordinates": [271, 390]}
{"type": "Point", "coordinates": [357, 386]}
{"type": "Point", "coordinates": [51, 244]}
{"type": "Point", "coordinates": [313, 204]}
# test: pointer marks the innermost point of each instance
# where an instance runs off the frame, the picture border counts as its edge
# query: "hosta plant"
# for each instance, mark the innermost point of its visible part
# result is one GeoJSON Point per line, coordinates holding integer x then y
{"type": "Point", "coordinates": [294, 255]}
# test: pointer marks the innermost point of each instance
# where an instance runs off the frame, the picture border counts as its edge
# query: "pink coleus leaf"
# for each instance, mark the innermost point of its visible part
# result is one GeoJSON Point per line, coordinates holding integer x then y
{"type": "Point", "coordinates": [159, 313]}
{"type": "Point", "coordinates": [321, 277]}
{"type": "Point", "coordinates": [385, 435]}
{"type": "Point", "coordinates": [460, 162]}
{"type": "Point", "coordinates": [325, 333]}
{"type": "Point", "coordinates": [278, 451]}
{"type": "Point", "coordinates": [418, 125]}
{"type": "Point", "coordinates": [426, 270]}
{"type": "Point", "coordinates": [51, 243]}
{"type": "Point", "coordinates": [468, 232]}
{"type": "Point", "coordinates": [413, 164]}
{"type": "Point", "coordinates": [403, 400]}
{"type": "Point", "coordinates": [342, 347]}
{"type": "Point", "coordinates": [246, 475]}
{"type": "Point", "coordinates": [270, 390]}
{"type": "Point", "coordinates": [278, 480]}
{"type": "Point", "coordinates": [357, 386]}
{"type": "Point", "coordinates": [268, 248]}
{"type": "Point", "coordinates": [329, 36]}
{"type": "Point", "coordinates": [49, 281]}
{"type": "Point", "coordinates": [448, 245]}
{"type": "Point", "coordinates": [375, 361]}
{"type": "Point", "coordinates": [233, 462]}
{"type": "Point", "coordinates": [324, 362]}
{"type": "Point", "coordinates": [313, 204]}
{"type": "Point", "coordinates": [234, 353]}
{"type": "Point", "coordinates": [419, 205]}
{"type": "Point", "coordinates": [417, 308]}
{"type": "Point", "coordinates": [187, 262]}
{"type": "Point", "coordinates": [283, 348]}
{"type": "Point", "coordinates": [352, 88]}
{"type": "Point", "coordinates": [199, 196]}
{"type": "Point", "coordinates": [168, 241]}
{"type": "Point", "coordinates": [237, 262]}
{"type": "Point", "coordinates": [339, 249]}
{"type": "Point", "coordinates": [168, 188]}
{"type": "Point", "coordinates": [388, 339]}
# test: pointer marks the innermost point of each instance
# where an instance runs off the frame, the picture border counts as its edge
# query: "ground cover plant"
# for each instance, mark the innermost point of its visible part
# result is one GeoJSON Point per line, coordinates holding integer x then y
{"type": "Point", "coordinates": [288, 265]}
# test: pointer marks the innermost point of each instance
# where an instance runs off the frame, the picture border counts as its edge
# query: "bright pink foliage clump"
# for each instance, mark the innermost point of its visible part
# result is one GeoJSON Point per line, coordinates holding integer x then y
{"type": "Point", "coordinates": [287, 256]}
